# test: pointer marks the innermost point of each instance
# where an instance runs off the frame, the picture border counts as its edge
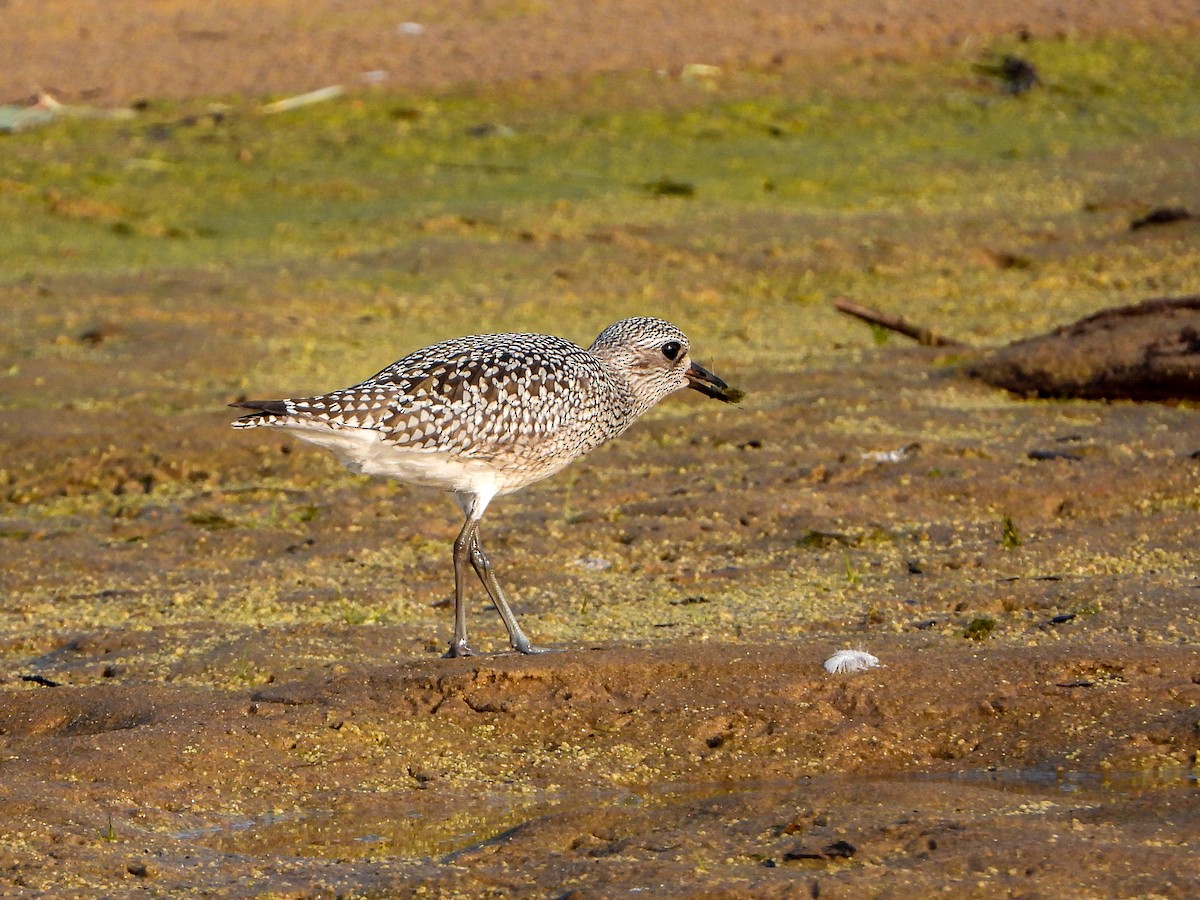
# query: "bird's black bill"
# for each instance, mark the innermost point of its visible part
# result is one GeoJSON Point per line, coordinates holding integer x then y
{"type": "Point", "coordinates": [704, 381]}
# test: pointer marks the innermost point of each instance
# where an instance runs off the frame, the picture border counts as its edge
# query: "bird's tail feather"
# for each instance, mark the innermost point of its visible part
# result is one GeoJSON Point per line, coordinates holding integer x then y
{"type": "Point", "coordinates": [264, 411]}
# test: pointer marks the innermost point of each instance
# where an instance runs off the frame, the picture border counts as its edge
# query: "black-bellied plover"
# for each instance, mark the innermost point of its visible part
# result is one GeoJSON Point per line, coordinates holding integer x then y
{"type": "Point", "coordinates": [487, 415]}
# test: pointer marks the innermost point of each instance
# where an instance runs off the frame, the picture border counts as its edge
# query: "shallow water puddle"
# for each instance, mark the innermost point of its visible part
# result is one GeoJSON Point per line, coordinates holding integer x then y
{"type": "Point", "coordinates": [432, 825]}
{"type": "Point", "coordinates": [1055, 779]}
{"type": "Point", "coordinates": [375, 825]}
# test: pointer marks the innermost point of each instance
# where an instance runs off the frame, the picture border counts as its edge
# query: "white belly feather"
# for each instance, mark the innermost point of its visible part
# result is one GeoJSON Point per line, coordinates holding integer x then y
{"type": "Point", "coordinates": [364, 450]}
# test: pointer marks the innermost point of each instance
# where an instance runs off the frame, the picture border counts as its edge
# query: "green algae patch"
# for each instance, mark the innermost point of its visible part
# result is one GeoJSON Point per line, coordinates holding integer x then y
{"type": "Point", "coordinates": [173, 189]}
{"type": "Point", "coordinates": [979, 628]}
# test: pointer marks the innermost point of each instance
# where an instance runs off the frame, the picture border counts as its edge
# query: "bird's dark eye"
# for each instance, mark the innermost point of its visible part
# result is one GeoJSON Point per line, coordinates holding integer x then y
{"type": "Point", "coordinates": [672, 349]}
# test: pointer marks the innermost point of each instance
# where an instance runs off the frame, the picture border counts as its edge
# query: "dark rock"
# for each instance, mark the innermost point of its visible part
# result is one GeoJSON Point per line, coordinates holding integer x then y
{"type": "Point", "coordinates": [1150, 351]}
{"type": "Point", "coordinates": [1161, 215]}
{"type": "Point", "coordinates": [1016, 75]}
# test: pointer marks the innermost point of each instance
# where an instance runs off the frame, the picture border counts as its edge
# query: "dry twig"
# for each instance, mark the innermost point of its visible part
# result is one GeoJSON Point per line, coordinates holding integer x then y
{"type": "Point", "coordinates": [922, 336]}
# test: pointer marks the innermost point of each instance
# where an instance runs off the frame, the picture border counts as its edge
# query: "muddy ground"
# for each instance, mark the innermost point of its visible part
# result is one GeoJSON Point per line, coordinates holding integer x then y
{"type": "Point", "coordinates": [221, 651]}
{"type": "Point", "coordinates": [114, 53]}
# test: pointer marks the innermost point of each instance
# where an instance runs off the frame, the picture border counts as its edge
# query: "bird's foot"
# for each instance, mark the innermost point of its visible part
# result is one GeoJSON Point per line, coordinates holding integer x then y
{"type": "Point", "coordinates": [528, 649]}
{"type": "Point", "coordinates": [458, 650]}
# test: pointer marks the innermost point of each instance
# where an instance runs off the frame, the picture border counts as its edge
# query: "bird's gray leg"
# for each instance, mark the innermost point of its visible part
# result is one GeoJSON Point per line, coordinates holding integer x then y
{"type": "Point", "coordinates": [462, 553]}
{"type": "Point", "coordinates": [483, 568]}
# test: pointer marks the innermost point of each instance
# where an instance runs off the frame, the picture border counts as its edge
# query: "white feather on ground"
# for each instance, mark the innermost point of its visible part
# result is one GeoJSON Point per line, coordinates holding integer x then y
{"type": "Point", "coordinates": [848, 661]}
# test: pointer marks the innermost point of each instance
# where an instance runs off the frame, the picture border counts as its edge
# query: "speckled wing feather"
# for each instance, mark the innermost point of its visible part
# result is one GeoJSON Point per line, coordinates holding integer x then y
{"type": "Point", "coordinates": [482, 396]}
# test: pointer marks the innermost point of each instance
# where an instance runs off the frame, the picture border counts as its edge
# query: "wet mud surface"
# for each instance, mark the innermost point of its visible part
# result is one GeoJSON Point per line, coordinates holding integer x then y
{"type": "Point", "coordinates": [257, 703]}
{"type": "Point", "coordinates": [84, 51]}
{"type": "Point", "coordinates": [731, 769]}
